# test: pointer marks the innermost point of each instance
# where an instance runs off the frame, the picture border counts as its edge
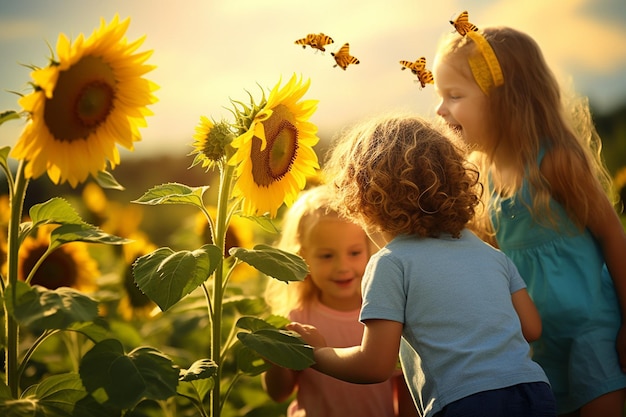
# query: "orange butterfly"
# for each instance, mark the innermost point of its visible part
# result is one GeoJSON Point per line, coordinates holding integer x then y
{"type": "Point", "coordinates": [462, 24]}
{"type": "Point", "coordinates": [416, 66]}
{"type": "Point", "coordinates": [315, 41]}
{"type": "Point", "coordinates": [343, 57]}
{"type": "Point", "coordinates": [424, 76]}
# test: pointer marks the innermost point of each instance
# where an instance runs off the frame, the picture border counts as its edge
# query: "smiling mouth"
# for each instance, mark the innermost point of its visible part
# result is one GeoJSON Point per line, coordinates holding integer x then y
{"type": "Point", "coordinates": [456, 129]}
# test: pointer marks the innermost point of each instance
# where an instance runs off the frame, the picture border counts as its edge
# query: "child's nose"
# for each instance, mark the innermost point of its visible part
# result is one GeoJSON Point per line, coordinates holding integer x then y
{"type": "Point", "coordinates": [442, 110]}
{"type": "Point", "coordinates": [343, 263]}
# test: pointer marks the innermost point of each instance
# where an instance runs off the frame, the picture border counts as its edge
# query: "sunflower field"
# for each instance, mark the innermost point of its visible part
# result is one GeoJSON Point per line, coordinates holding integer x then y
{"type": "Point", "coordinates": [125, 297]}
{"type": "Point", "coordinates": [99, 320]}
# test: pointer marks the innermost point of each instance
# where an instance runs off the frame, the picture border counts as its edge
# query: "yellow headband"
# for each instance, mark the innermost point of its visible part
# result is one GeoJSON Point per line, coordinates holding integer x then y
{"type": "Point", "coordinates": [485, 66]}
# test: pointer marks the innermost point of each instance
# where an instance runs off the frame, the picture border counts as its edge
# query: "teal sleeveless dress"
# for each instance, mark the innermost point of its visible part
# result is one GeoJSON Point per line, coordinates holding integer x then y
{"type": "Point", "coordinates": [568, 280]}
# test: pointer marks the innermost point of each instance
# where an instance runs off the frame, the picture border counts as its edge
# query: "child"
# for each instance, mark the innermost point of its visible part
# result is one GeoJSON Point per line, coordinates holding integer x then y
{"type": "Point", "coordinates": [546, 208]}
{"type": "Point", "coordinates": [458, 305]}
{"type": "Point", "coordinates": [336, 251]}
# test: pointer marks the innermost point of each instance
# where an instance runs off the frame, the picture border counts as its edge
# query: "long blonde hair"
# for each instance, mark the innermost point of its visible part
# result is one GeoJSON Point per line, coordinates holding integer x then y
{"type": "Point", "coordinates": [530, 114]}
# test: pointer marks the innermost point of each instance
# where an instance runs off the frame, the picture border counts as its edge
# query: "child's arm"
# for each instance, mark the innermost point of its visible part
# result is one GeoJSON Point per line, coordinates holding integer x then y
{"type": "Point", "coordinates": [373, 361]}
{"type": "Point", "coordinates": [279, 382]}
{"type": "Point", "coordinates": [608, 231]}
{"type": "Point", "coordinates": [528, 315]}
{"type": "Point", "coordinates": [604, 224]}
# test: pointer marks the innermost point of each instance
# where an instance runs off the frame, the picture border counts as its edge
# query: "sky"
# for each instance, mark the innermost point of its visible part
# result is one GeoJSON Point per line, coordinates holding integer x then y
{"type": "Point", "coordinates": [209, 52]}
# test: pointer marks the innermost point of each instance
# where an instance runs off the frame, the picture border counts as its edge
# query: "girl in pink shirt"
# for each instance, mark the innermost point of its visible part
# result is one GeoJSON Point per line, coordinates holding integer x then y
{"type": "Point", "coordinates": [336, 252]}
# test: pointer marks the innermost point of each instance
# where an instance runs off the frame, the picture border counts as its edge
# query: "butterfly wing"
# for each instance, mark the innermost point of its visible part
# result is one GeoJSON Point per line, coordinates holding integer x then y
{"type": "Point", "coordinates": [306, 41]}
{"type": "Point", "coordinates": [414, 66]}
{"type": "Point", "coordinates": [425, 77]}
{"type": "Point", "coordinates": [462, 24]}
{"type": "Point", "coordinates": [343, 57]}
{"type": "Point", "coordinates": [406, 64]}
{"type": "Point", "coordinates": [321, 40]}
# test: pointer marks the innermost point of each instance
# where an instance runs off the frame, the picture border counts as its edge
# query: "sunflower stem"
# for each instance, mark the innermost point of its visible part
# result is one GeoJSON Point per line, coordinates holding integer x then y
{"type": "Point", "coordinates": [40, 261]}
{"type": "Point", "coordinates": [221, 225]}
{"type": "Point", "coordinates": [12, 329]}
{"type": "Point", "coordinates": [42, 338]}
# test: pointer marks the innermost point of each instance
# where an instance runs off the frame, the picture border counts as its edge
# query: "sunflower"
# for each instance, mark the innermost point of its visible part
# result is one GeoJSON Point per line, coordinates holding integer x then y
{"type": "Point", "coordinates": [211, 142]}
{"type": "Point", "coordinates": [70, 265]}
{"type": "Point", "coordinates": [93, 98]}
{"type": "Point", "coordinates": [275, 155]}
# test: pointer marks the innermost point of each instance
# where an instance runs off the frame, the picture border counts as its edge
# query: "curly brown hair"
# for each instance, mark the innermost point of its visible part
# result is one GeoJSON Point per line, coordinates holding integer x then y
{"type": "Point", "coordinates": [403, 175]}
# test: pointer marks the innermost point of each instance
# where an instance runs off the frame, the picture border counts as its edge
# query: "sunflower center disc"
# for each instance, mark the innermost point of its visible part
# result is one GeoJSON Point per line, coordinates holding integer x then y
{"type": "Point", "coordinates": [82, 100]}
{"type": "Point", "coordinates": [272, 163]}
{"type": "Point", "coordinates": [94, 104]}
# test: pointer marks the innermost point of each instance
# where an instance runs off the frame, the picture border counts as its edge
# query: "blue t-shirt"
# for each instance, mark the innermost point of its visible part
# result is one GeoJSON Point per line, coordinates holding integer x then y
{"type": "Point", "coordinates": [461, 333]}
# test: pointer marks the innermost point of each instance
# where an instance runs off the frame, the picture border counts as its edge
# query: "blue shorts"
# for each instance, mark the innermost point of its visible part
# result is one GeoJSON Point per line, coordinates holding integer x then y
{"type": "Point", "coordinates": [534, 399]}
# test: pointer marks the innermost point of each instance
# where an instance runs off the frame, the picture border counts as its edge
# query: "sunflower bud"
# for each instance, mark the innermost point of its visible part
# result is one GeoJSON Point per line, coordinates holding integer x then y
{"type": "Point", "coordinates": [245, 115]}
{"type": "Point", "coordinates": [212, 142]}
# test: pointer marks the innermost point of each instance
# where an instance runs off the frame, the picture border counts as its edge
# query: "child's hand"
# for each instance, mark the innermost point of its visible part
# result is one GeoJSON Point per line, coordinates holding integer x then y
{"type": "Point", "coordinates": [309, 333]}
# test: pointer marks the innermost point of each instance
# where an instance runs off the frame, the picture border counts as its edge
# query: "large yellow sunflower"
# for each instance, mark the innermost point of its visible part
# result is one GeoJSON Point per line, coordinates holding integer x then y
{"type": "Point", "coordinates": [82, 106]}
{"type": "Point", "coordinates": [275, 155]}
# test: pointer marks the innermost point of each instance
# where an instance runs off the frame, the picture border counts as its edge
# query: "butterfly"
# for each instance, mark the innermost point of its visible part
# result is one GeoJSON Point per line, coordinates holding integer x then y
{"type": "Point", "coordinates": [462, 24]}
{"type": "Point", "coordinates": [416, 66]}
{"type": "Point", "coordinates": [343, 57]}
{"type": "Point", "coordinates": [315, 41]}
{"type": "Point", "coordinates": [424, 76]}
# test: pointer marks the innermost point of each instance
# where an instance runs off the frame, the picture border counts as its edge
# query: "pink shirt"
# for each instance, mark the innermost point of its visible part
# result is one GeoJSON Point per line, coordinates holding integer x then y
{"type": "Point", "coordinates": [320, 395]}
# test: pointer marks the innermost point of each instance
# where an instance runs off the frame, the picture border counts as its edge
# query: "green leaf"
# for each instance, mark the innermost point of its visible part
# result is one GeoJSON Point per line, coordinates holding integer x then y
{"type": "Point", "coordinates": [200, 369]}
{"type": "Point", "coordinates": [248, 361]}
{"type": "Point", "coordinates": [253, 324]}
{"type": "Point", "coordinates": [106, 180]}
{"type": "Point", "coordinates": [245, 305]}
{"type": "Point", "coordinates": [265, 222]}
{"type": "Point", "coordinates": [84, 233]}
{"type": "Point", "coordinates": [54, 396]}
{"type": "Point", "coordinates": [116, 379]}
{"type": "Point", "coordinates": [41, 308]}
{"type": "Point", "coordinates": [167, 276]}
{"type": "Point", "coordinates": [173, 193]}
{"type": "Point", "coordinates": [274, 262]}
{"type": "Point", "coordinates": [96, 330]}
{"type": "Point", "coordinates": [55, 210]}
{"type": "Point", "coordinates": [4, 157]}
{"type": "Point", "coordinates": [5, 116]}
{"type": "Point", "coordinates": [282, 347]}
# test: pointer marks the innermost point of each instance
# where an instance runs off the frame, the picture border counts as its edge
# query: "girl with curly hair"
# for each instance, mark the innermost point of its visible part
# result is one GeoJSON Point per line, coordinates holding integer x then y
{"type": "Point", "coordinates": [453, 307]}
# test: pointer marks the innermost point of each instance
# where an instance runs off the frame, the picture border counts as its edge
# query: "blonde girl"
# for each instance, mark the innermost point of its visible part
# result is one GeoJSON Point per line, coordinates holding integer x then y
{"type": "Point", "coordinates": [336, 251]}
{"type": "Point", "coordinates": [547, 207]}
